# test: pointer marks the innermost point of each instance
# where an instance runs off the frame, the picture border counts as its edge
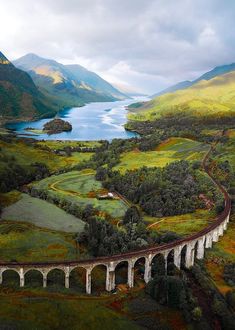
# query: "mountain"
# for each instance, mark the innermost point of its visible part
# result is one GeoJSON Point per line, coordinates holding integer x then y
{"type": "Point", "coordinates": [70, 85]}
{"type": "Point", "coordinates": [174, 88]}
{"type": "Point", "coordinates": [19, 97]}
{"type": "Point", "coordinates": [217, 71]}
{"type": "Point", "coordinates": [213, 98]}
{"type": "Point", "coordinates": [93, 80]}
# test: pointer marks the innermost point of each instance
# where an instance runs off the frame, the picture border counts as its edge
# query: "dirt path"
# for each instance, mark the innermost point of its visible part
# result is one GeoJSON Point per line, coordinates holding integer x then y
{"type": "Point", "coordinates": [155, 223]}
{"type": "Point", "coordinates": [53, 185]}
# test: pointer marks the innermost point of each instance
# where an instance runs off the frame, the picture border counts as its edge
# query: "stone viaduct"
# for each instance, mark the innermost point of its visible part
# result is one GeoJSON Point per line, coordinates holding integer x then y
{"type": "Point", "coordinates": [193, 246]}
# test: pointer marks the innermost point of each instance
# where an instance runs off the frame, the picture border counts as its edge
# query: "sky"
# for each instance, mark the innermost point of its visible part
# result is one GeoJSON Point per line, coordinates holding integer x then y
{"type": "Point", "coordinates": [142, 45]}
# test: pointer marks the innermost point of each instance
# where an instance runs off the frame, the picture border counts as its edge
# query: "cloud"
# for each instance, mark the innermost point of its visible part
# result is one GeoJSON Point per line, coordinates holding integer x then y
{"type": "Point", "coordinates": [147, 44]}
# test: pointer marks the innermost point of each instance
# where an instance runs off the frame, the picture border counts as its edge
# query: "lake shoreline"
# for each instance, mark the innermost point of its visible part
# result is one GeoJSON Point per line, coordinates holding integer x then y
{"type": "Point", "coordinates": [93, 122]}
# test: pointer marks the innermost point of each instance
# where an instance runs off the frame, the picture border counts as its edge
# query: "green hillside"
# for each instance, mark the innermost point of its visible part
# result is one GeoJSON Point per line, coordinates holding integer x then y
{"type": "Point", "coordinates": [213, 98]}
{"type": "Point", "coordinates": [19, 97]}
{"type": "Point", "coordinates": [217, 71]}
{"type": "Point", "coordinates": [69, 85]}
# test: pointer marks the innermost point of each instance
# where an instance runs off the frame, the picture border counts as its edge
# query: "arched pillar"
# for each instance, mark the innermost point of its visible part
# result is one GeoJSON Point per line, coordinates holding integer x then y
{"type": "Point", "coordinates": [189, 258]}
{"type": "Point", "coordinates": [208, 240]}
{"type": "Point", "coordinates": [131, 272]}
{"type": "Point", "coordinates": [215, 236]}
{"type": "Point", "coordinates": [21, 273]}
{"type": "Point", "coordinates": [44, 274]}
{"type": "Point", "coordinates": [88, 280]}
{"type": "Point", "coordinates": [1, 272]}
{"type": "Point", "coordinates": [226, 221]}
{"type": "Point", "coordinates": [148, 268]}
{"type": "Point", "coordinates": [201, 248]}
{"type": "Point", "coordinates": [67, 272]}
{"type": "Point", "coordinates": [220, 230]}
{"type": "Point", "coordinates": [177, 256]}
{"type": "Point", "coordinates": [225, 225]}
{"type": "Point", "coordinates": [110, 277]}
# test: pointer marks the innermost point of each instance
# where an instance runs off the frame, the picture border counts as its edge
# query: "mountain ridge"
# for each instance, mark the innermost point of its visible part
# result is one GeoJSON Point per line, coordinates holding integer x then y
{"type": "Point", "coordinates": [215, 72]}
{"type": "Point", "coordinates": [212, 98]}
{"type": "Point", "coordinates": [19, 96]}
{"type": "Point", "coordinates": [71, 85]}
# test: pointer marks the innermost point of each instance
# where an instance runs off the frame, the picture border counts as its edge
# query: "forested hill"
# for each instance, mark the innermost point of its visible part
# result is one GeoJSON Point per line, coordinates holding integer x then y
{"type": "Point", "coordinates": [19, 97]}
{"type": "Point", "coordinates": [69, 85]}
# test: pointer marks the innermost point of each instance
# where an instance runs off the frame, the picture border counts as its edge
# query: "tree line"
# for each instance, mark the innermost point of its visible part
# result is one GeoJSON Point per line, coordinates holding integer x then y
{"type": "Point", "coordinates": [171, 190]}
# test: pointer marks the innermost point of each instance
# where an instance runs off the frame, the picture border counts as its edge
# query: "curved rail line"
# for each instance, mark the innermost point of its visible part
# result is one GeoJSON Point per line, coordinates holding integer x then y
{"type": "Point", "coordinates": [150, 250]}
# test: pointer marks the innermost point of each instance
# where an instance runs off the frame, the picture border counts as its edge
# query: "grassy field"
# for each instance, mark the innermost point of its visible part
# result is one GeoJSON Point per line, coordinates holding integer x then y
{"type": "Point", "coordinates": [42, 214]}
{"type": "Point", "coordinates": [60, 144]}
{"type": "Point", "coordinates": [134, 310]}
{"type": "Point", "coordinates": [47, 312]}
{"type": "Point", "coordinates": [185, 224]}
{"type": "Point", "coordinates": [25, 242]}
{"type": "Point", "coordinates": [25, 154]}
{"type": "Point", "coordinates": [80, 187]}
{"type": "Point", "coordinates": [169, 151]}
{"type": "Point", "coordinates": [81, 183]}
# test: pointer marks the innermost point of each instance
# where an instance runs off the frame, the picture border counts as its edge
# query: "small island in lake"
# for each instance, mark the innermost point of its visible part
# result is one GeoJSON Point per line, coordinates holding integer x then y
{"type": "Point", "coordinates": [57, 125]}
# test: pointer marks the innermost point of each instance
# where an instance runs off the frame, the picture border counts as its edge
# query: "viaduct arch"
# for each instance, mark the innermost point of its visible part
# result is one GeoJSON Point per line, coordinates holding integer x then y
{"type": "Point", "coordinates": [193, 245]}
